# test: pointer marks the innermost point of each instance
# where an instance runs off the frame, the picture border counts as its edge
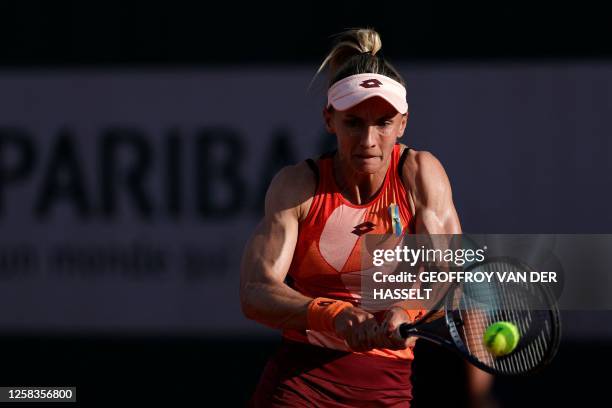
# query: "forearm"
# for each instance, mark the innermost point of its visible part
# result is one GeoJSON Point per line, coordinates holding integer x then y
{"type": "Point", "coordinates": [275, 304]}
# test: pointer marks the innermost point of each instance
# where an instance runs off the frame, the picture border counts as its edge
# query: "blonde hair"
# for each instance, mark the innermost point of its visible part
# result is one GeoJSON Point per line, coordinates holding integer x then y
{"type": "Point", "coordinates": [355, 52]}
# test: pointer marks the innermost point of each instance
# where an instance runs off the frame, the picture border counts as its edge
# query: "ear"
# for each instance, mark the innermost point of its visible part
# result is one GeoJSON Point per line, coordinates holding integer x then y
{"type": "Point", "coordinates": [403, 125]}
{"type": "Point", "coordinates": [327, 116]}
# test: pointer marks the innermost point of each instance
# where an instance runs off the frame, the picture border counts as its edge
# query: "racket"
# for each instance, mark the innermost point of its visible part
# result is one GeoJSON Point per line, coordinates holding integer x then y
{"type": "Point", "coordinates": [463, 313]}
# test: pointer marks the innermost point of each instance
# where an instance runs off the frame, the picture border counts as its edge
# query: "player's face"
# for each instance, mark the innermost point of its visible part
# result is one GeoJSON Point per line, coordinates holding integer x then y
{"type": "Point", "coordinates": [366, 133]}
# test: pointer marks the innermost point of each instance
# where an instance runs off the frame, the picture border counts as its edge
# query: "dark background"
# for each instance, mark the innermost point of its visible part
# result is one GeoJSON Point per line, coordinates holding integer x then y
{"type": "Point", "coordinates": [41, 34]}
{"type": "Point", "coordinates": [195, 370]}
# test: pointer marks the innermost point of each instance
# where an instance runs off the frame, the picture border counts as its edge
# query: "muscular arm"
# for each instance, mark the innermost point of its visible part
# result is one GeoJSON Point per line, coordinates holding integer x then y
{"type": "Point", "coordinates": [429, 190]}
{"type": "Point", "coordinates": [436, 214]}
{"type": "Point", "coordinates": [431, 194]}
{"type": "Point", "coordinates": [264, 296]}
{"type": "Point", "coordinates": [267, 257]}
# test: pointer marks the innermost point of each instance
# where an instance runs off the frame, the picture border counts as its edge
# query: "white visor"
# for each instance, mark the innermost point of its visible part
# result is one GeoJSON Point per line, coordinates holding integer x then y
{"type": "Point", "coordinates": [355, 89]}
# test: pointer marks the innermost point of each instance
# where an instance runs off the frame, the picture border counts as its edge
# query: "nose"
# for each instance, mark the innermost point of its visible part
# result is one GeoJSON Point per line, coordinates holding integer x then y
{"type": "Point", "coordinates": [368, 137]}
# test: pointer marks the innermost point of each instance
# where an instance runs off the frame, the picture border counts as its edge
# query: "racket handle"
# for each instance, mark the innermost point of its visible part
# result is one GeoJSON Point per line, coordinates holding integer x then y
{"type": "Point", "coordinates": [404, 330]}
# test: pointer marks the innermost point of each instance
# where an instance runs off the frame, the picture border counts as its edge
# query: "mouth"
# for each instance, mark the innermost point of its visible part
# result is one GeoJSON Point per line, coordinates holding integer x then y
{"type": "Point", "coordinates": [366, 156]}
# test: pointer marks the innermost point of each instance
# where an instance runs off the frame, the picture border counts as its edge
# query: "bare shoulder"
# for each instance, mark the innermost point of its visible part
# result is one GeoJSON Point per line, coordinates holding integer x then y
{"type": "Point", "coordinates": [291, 190]}
{"type": "Point", "coordinates": [424, 175]}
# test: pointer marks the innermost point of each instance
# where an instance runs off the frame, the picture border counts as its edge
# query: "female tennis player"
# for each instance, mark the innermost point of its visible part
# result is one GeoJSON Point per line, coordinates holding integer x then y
{"type": "Point", "coordinates": [295, 268]}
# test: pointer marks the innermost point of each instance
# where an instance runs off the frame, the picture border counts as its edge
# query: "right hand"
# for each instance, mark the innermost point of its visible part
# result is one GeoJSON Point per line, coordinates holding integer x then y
{"type": "Point", "coordinates": [358, 328]}
{"type": "Point", "coordinates": [390, 335]}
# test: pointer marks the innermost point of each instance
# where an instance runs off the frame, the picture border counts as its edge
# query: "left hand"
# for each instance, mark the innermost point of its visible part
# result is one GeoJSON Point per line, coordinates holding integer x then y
{"type": "Point", "coordinates": [389, 336]}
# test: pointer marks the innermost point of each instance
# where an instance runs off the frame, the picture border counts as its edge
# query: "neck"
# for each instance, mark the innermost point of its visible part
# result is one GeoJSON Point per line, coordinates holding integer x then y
{"type": "Point", "coordinates": [358, 188]}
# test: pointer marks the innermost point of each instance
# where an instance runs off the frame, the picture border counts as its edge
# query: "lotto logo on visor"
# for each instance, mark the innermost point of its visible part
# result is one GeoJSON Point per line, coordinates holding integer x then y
{"type": "Point", "coordinates": [355, 89]}
{"type": "Point", "coordinates": [371, 83]}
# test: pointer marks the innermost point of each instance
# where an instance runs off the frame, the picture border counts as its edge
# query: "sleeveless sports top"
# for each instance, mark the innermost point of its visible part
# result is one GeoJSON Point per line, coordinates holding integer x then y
{"type": "Point", "coordinates": [327, 260]}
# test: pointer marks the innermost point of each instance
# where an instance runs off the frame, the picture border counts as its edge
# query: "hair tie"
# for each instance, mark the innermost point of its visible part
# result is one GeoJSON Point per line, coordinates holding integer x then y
{"type": "Point", "coordinates": [378, 54]}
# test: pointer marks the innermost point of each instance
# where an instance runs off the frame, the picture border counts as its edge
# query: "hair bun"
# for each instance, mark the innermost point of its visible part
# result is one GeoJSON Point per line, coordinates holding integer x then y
{"type": "Point", "coordinates": [354, 52]}
{"type": "Point", "coordinates": [349, 43]}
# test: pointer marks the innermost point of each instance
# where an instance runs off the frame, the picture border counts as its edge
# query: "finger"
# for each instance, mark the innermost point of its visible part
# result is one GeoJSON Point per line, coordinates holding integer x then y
{"type": "Point", "coordinates": [385, 325]}
{"type": "Point", "coordinates": [356, 339]}
{"type": "Point", "coordinates": [353, 338]}
{"type": "Point", "coordinates": [385, 337]}
{"type": "Point", "coordinates": [353, 345]}
{"type": "Point", "coordinates": [392, 328]}
{"type": "Point", "coordinates": [394, 341]}
{"type": "Point", "coordinates": [383, 341]}
{"type": "Point", "coordinates": [363, 317]}
{"type": "Point", "coordinates": [396, 336]}
{"type": "Point", "coordinates": [411, 341]}
{"type": "Point", "coordinates": [369, 333]}
{"type": "Point", "coordinates": [373, 332]}
{"type": "Point", "coordinates": [364, 336]}
{"type": "Point", "coordinates": [345, 328]}
{"type": "Point", "coordinates": [385, 333]}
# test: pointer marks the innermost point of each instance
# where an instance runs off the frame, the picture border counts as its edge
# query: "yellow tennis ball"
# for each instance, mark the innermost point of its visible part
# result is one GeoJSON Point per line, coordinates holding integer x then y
{"type": "Point", "coordinates": [501, 338]}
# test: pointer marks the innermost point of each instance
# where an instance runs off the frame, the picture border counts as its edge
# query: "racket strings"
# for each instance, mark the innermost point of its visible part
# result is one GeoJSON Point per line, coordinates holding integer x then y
{"type": "Point", "coordinates": [522, 304]}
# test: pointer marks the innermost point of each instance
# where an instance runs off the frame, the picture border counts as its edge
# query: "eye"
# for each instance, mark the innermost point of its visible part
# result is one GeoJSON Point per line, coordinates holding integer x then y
{"type": "Point", "coordinates": [385, 122]}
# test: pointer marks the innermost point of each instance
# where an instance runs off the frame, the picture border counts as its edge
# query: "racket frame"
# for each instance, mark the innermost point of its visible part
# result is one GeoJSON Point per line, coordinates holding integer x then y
{"type": "Point", "coordinates": [444, 330]}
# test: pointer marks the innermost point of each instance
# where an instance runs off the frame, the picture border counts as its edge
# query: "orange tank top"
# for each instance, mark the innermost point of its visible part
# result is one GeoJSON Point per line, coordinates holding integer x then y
{"type": "Point", "coordinates": [327, 260]}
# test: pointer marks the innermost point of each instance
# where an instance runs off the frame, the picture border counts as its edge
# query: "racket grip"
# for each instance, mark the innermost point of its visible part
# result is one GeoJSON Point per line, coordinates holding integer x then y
{"type": "Point", "coordinates": [404, 330]}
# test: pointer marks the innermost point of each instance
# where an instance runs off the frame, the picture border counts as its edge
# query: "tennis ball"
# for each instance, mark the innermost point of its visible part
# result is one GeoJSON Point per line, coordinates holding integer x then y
{"type": "Point", "coordinates": [501, 338]}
